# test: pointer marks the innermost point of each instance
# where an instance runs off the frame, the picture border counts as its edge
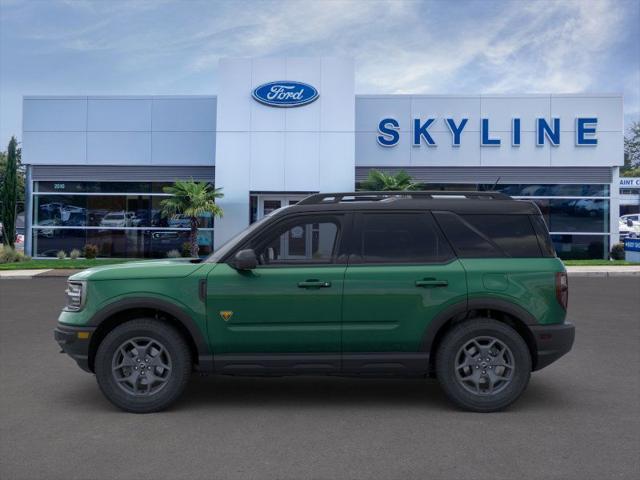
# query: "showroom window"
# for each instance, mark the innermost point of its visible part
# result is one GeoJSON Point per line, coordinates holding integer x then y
{"type": "Point", "coordinates": [123, 219]}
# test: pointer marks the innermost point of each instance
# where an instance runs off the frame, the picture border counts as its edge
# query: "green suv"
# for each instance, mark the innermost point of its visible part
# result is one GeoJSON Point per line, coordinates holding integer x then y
{"type": "Point", "coordinates": [465, 287]}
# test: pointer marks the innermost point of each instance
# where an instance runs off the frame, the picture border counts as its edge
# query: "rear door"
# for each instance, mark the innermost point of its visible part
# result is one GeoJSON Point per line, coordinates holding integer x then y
{"type": "Point", "coordinates": [401, 275]}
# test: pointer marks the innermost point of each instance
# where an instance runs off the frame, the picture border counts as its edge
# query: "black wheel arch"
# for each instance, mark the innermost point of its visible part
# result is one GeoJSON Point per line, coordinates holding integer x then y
{"type": "Point", "coordinates": [480, 307]}
{"type": "Point", "coordinates": [123, 310]}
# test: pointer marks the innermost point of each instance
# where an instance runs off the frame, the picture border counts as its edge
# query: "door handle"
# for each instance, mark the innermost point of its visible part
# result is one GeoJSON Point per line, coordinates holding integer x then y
{"type": "Point", "coordinates": [314, 284]}
{"type": "Point", "coordinates": [431, 282]}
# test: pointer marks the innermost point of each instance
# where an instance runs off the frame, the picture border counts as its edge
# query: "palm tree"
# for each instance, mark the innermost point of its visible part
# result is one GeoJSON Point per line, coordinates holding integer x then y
{"type": "Point", "coordinates": [379, 181]}
{"type": "Point", "coordinates": [192, 199]}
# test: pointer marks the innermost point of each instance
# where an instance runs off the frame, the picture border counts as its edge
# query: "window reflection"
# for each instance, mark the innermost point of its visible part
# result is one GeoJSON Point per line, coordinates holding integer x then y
{"type": "Point", "coordinates": [117, 243]}
{"type": "Point", "coordinates": [526, 190]}
{"type": "Point", "coordinates": [580, 247]}
{"type": "Point", "coordinates": [581, 215]}
{"type": "Point", "coordinates": [109, 211]}
{"type": "Point", "coordinates": [124, 222]}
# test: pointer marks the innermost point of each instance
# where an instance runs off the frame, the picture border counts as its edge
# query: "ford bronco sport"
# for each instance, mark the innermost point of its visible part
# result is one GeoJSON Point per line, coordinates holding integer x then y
{"type": "Point", "coordinates": [465, 287]}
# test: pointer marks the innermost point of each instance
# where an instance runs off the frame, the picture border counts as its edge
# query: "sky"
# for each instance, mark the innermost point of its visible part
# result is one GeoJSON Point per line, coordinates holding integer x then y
{"type": "Point", "coordinates": [111, 47]}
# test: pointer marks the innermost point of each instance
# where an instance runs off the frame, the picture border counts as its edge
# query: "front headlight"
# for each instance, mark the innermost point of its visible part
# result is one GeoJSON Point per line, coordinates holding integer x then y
{"type": "Point", "coordinates": [76, 292]}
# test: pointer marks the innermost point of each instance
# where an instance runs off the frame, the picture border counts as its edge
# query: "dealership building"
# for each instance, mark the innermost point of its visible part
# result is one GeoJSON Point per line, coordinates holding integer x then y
{"type": "Point", "coordinates": [279, 129]}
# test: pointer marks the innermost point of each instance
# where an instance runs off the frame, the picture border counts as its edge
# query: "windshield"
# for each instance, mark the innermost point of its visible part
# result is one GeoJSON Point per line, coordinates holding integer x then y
{"type": "Point", "coordinates": [237, 239]}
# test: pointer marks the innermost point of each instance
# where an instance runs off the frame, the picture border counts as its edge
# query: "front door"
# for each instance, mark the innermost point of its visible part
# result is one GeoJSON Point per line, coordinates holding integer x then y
{"type": "Point", "coordinates": [264, 204]}
{"type": "Point", "coordinates": [287, 311]}
{"type": "Point", "coordinates": [401, 275]}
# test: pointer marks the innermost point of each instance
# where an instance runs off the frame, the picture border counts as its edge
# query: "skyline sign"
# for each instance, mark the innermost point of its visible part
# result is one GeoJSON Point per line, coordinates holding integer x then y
{"type": "Point", "coordinates": [546, 132]}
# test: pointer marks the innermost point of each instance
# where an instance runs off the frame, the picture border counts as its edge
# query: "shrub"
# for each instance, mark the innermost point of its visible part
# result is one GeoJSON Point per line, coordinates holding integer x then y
{"type": "Point", "coordinates": [617, 252]}
{"type": "Point", "coordinates": [23, 258]}
{"type": "Point", "coordinates": [186, 249]}
{"type": "Point", "coordinates": [11, 255]}
{"type": "Point", "coordinates": [74, 254]}
{"type": "Point", "coordinates": [90, 251]}
{"type": "Point", "coordinates": [174, 253]}
{"type": "Point", "coordinates": [7, 254]}
{"type": "Point", "coordinates": [61, 254]}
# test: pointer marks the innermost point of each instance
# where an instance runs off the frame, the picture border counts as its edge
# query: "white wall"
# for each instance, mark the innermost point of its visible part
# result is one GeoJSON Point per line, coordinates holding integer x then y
{"type": "Point", "coordinates": [147, 130]}
{"type": "Point", "coordinates": [500, 109]}
{"type": "Point", "coordinates": [262, 148]}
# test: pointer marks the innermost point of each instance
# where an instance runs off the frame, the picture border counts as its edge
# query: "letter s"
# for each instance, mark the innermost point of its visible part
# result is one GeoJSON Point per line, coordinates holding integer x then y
{"type": "Point", "coordinates": [388, 129]}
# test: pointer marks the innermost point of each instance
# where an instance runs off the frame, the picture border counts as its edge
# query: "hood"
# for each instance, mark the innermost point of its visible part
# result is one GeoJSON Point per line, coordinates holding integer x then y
{"type": "Point", "coordinates": [175, 268]}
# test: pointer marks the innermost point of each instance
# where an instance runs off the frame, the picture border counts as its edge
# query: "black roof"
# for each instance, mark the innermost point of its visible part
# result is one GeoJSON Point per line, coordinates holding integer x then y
{"type": "Point", "coordinates": [458, 202]}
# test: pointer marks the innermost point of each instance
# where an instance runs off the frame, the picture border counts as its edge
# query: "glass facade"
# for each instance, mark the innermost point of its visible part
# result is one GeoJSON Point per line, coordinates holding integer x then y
{"type": "Point", "coordinates": [122, 218]}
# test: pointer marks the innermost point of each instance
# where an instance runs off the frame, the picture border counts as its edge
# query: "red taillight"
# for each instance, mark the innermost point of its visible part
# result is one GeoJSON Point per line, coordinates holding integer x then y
{"type": "Point", "coordinates": [562, 289]}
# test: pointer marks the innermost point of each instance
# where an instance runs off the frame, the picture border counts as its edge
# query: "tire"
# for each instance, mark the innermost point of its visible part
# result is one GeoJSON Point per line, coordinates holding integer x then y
{"type": "Point", "coordinates": [143, 365]}
{"type": "Point", "coordinates": [473, 383]}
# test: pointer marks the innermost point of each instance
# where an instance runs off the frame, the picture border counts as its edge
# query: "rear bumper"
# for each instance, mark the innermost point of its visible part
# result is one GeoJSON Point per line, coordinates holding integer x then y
{"type": "Point", "coordinates": [552, 342]}
{"type": "Point", "coordinates": [74, 345]}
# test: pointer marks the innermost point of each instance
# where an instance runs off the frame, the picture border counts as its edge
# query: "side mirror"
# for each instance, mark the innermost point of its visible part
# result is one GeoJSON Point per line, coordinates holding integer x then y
{"type": "Point", "coordinates": [629, 222]}
{"type": "Point", "coordinates": [245, 260]}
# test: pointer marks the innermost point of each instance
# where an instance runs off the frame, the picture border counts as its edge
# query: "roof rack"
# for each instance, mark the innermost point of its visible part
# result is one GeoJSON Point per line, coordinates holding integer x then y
{"type": "Point", "coordinates": [363, 196]}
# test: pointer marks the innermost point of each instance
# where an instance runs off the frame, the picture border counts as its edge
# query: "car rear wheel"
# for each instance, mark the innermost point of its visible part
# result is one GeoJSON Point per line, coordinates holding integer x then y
{"type": "Point", "coordinates": [143, 365]}
{"type": "Point", "coordinates": [483, 365]}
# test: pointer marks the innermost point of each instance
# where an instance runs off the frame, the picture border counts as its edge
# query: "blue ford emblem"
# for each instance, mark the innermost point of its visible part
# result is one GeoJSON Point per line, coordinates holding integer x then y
{"type": "Point", "coordinates": [285, 93]}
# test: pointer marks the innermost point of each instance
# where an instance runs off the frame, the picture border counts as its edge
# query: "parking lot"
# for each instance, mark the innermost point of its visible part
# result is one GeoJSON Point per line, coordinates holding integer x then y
{"type": "Point", "coordinates": [579, 418]}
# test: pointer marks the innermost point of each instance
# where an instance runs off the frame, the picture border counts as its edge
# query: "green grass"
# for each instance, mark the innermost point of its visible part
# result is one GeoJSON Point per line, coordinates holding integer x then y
{"type": "Point", "coordinates": [591, 263]}
{"type": "Point", "coordinates": [58, 264]}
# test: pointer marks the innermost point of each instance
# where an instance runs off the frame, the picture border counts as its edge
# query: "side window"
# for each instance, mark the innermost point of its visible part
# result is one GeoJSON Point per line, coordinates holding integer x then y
{"type": "Point", "coordinates": [303, 241]}
{"type": "Point", "coordinates": [514, 234]}
{"type": "Point", "coordinates": [466, 240]}
{"type": "Point", "coordinates": [401, 238]}
{"type": "Point", "coordinates": [490, 236]}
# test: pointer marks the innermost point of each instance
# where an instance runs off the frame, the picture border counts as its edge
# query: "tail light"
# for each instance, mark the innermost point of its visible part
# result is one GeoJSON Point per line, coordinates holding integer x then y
{"type": "Point", "coordinates": [562, 289]}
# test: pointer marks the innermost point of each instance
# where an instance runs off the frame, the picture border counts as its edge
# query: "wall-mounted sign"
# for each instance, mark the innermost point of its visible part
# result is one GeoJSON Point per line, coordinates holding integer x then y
{"type": "Point", "coordinates": [546, 132]}
{"type": "Point", "coordinates": [285, 93]}
{"type": "Point", "coordinates": [630, 182]}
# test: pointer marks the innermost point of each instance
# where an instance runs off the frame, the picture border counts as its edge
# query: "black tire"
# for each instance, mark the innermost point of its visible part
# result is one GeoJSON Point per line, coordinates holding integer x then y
{"type": "Point", "coordinates": [453, 365]}
{"type": "Point", "coordinates": [168, 384]}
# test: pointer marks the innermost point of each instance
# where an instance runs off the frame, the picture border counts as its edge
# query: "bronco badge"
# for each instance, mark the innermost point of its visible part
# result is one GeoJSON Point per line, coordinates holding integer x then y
{"type": "Point", "coordinates": [226, 314]}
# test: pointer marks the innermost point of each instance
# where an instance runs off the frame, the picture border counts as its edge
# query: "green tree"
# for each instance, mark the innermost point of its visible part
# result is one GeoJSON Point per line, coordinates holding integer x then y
{"type": "Point", "coordinates": [19, 172]}
{"type": "Point", "coordinates": [193, 200]}
{"type": "Point", "coordinates": [9, 193]}
{"type": "Point", "coordinates": [379, 181]}
{"type": "Point", "coordinates": [631, 166]}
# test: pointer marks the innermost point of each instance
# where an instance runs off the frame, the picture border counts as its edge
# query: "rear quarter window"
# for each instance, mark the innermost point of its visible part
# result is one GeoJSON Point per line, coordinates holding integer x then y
{"type": "Point", "coordinates": [486, 236]}
{"type": "Point", "coordinates": [544, 240]}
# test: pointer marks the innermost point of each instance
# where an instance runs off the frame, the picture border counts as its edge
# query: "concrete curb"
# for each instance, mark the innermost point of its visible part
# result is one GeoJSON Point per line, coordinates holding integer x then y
{"type": "Point", "coordinates": [604, 274]}
{"type": "Point", "coordinates": [20, 274]}
{"type": "Point", "coordinates": [37, 273]}
{"type": "Point", "coordinates": [604, 271]}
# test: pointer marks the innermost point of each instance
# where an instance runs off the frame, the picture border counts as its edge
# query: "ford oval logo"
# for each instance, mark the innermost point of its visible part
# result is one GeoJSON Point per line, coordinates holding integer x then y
{"type": "Point", "coordinates": [285, 93]}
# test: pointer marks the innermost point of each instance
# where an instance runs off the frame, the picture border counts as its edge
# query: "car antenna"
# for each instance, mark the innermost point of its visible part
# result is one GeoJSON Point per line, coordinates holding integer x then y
{"type": "Point", "coordinates": [495, 184]}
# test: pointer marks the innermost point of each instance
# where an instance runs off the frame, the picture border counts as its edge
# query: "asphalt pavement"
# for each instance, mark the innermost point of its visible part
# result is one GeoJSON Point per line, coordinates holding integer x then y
{"type": "Point", "coordinates": [579, 418]}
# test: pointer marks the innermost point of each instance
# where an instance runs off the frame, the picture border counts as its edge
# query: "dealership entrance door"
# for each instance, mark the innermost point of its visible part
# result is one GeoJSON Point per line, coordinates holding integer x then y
{"type": "Point", "coordinates": [263, 204]}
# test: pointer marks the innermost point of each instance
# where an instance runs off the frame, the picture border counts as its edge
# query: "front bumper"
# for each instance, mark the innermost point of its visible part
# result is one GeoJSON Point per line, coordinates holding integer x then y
{"type": "Point", "coordinates": [552, 342]}
{"type": "Point", "coordinates": [75, 341]}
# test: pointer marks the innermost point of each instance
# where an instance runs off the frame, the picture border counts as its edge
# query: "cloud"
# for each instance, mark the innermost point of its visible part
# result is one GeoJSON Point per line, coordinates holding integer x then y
{"type": "Point", "coordinates": [488, 46]}
{"type": "Point", "coordinates": [523, 49]}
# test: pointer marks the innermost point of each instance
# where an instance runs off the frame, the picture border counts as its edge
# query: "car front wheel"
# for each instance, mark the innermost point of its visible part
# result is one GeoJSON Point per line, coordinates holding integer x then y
{"type": "Point", "coordinates": [483, 365]}
{"type": "Point", "coordinates": [143, 365]}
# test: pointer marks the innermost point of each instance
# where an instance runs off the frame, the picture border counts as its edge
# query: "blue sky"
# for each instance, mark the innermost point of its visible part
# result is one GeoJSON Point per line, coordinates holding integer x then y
{"type": "Point", "coordinates": [172, 47]}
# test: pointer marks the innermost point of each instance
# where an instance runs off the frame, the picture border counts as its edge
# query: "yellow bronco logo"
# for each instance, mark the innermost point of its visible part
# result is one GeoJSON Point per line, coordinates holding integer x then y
{"type": "Point", "coordinates": [226, 314]}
